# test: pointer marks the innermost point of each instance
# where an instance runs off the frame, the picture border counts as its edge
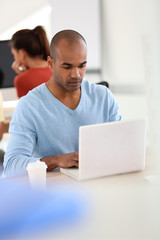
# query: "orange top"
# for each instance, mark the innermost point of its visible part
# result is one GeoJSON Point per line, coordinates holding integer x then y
{"type": "Point", "coordinates": [26, 81]}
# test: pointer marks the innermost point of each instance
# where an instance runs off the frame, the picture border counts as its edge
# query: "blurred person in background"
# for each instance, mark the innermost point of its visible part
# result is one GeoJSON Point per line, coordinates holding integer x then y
{"type": "Point", "coordinates": [30, 49]}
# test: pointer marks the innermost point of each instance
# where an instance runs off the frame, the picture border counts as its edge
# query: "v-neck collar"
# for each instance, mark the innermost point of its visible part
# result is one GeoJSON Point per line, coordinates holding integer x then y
{"type": "Point", "coordinates": [53, 98]}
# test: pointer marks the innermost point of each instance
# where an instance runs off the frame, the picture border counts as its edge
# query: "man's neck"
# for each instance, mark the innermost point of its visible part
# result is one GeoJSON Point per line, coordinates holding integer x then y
{"type": "Point", "coordinates": [69, 99]}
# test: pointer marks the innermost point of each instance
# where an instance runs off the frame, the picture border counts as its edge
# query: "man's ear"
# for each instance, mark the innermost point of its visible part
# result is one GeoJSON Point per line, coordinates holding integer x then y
{"type": "Point", "coordinates": [50, 62]}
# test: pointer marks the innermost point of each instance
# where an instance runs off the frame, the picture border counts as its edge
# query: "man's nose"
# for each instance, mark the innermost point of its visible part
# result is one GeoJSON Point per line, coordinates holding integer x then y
{"type": "Point", "coordinates": [75, 73]}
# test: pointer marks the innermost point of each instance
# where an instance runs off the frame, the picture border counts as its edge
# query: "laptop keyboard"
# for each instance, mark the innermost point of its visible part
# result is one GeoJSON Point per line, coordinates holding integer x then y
{"type": "Point", "coordinates": [73, 171]}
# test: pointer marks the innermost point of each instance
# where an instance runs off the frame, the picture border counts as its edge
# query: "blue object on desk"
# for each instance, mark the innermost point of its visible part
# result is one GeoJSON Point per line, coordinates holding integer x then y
{"type": "Point", "coordinates": [24, 212]}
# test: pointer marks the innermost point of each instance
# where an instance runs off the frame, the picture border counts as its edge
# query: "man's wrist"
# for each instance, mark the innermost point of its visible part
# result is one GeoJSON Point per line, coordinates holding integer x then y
{"type": "Point", "coordinates": [52, 162]}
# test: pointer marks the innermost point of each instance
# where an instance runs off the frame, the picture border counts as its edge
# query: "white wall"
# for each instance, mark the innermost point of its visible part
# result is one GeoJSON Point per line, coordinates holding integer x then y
{"type": "Point", "coordinates": [15, 15]}
{"type": "Point", "coordinates": [84, 17]}
{"type": "Point", "coordinates": [12, 12]}
{"type": "Point", "coordinates": [127, 25]}
{"type": "Point", "coordinates": [131, 58]}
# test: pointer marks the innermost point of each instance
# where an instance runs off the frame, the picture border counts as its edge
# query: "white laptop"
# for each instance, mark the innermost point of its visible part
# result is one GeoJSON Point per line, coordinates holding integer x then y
{"type": "Point", "coordinates": [110, 148]}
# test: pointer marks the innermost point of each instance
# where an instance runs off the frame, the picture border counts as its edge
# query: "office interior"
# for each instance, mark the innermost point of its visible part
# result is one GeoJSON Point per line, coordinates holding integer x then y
{"type": "Point", "coordinates": [123, 39]}
{"type": "Point", "coordinates": [123, 48]}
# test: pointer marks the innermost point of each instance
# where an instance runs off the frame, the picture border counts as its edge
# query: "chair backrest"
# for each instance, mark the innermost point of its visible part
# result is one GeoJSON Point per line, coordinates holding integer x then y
{"type": "Point", "coordinates": [104, 83]}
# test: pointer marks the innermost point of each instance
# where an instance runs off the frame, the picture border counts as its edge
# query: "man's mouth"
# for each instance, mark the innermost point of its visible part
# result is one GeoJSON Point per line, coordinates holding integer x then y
{"type": "Point", "coordinates": [74, 82]}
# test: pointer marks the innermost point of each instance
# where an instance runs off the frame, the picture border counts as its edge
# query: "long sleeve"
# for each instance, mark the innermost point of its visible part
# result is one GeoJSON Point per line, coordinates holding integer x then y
{"type": "Point", "coordinates": [22, 142]}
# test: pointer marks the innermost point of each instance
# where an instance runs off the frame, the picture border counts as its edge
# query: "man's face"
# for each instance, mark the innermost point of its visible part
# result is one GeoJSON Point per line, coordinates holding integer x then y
{"type": "Point", "coordinates": [69, 65]}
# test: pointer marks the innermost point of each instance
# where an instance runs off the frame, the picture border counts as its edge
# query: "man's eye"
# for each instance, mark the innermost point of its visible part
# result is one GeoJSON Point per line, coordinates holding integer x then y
{"type": "Point", "coordinates": [83, 65]}
{"type": "Point", "coordinates": [66, 67]}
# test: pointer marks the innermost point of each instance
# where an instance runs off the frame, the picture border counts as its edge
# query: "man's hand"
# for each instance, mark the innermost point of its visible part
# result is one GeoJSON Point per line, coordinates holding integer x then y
{"type": "Point", "coordinates": [68, 160]}
{"type": "Point", "coordinates": [64, 160]}
{"type": "Point", "coordinates": [18, 67]}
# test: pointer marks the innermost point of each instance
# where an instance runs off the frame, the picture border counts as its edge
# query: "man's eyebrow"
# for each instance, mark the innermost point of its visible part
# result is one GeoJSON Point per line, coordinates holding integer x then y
{"type": "Point", "coordinates": [69, 64]}
{"type": "Point", "coordinates": [83, 63]}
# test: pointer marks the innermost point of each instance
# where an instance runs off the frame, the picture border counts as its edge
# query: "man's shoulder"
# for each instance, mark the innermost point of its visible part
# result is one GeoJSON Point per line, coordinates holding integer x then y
{"type": "Point", "coordinates": [94, 88]}
{"type": "Point", "coordinates": [30, 104]}
{"type": "Point", "coordinates": [37, 91]}
{"type": "Point", "coordinates": [35, 95]}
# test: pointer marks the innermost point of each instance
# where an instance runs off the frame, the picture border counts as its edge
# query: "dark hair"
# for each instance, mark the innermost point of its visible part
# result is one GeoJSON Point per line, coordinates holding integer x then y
{"type": "Point", "coordinates": [34, 42]}
{"type": "Point", "coordinates": [69, 35]}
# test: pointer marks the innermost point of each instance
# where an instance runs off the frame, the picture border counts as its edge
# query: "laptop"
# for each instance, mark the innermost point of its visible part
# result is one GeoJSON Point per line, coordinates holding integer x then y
{"type": "Point", "coordinates": [110, 148]}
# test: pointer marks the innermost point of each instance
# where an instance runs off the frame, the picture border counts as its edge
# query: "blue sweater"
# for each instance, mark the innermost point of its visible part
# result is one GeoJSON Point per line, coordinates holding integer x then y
{"type": "Point", "coordinates": [43, 126]}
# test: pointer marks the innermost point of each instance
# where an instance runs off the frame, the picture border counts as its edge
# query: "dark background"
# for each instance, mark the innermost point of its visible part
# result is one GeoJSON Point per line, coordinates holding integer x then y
{"type": "Point", "coordinates": [6, 60]}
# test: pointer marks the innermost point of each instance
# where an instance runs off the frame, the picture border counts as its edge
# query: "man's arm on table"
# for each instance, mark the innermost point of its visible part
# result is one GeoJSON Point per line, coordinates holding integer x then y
{"type": "Point", "coordinates": [20, 153]}
{"type": "Point", "coordinates": [63, 160]}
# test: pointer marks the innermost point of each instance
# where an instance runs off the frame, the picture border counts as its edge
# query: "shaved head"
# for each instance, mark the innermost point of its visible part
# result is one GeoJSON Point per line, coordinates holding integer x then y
{"type": "Point", "coordinates": [70, 36]}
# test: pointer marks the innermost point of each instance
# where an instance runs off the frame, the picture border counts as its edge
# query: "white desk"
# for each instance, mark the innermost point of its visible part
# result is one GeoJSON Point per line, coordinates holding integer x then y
{"type": "Point", "coordinates": [123, 207]}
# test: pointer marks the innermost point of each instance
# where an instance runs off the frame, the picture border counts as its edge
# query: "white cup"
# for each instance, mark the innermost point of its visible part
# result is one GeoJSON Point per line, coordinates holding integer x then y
{"type": "Point", "coordinates": [37, 174]}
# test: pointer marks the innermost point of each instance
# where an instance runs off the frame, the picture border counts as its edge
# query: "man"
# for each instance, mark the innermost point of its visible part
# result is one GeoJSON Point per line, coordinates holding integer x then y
{"type": "Point", "coordinates": [45, 124]}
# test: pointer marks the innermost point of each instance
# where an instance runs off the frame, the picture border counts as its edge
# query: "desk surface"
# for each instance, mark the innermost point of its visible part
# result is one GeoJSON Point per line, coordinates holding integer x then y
{"type": "Point", "coordinates": [136, 178]}
{"type": "Point", "coordinates": [120, 207]}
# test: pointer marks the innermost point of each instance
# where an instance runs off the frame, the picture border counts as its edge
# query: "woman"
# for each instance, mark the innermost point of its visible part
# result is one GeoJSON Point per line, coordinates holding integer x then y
{"type": "Point", "coordinates": [30, 49]}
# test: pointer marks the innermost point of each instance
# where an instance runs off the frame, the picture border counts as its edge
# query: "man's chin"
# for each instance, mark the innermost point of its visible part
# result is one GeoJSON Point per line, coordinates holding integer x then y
{"type": "Point", "coordinates": [73, 86]}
